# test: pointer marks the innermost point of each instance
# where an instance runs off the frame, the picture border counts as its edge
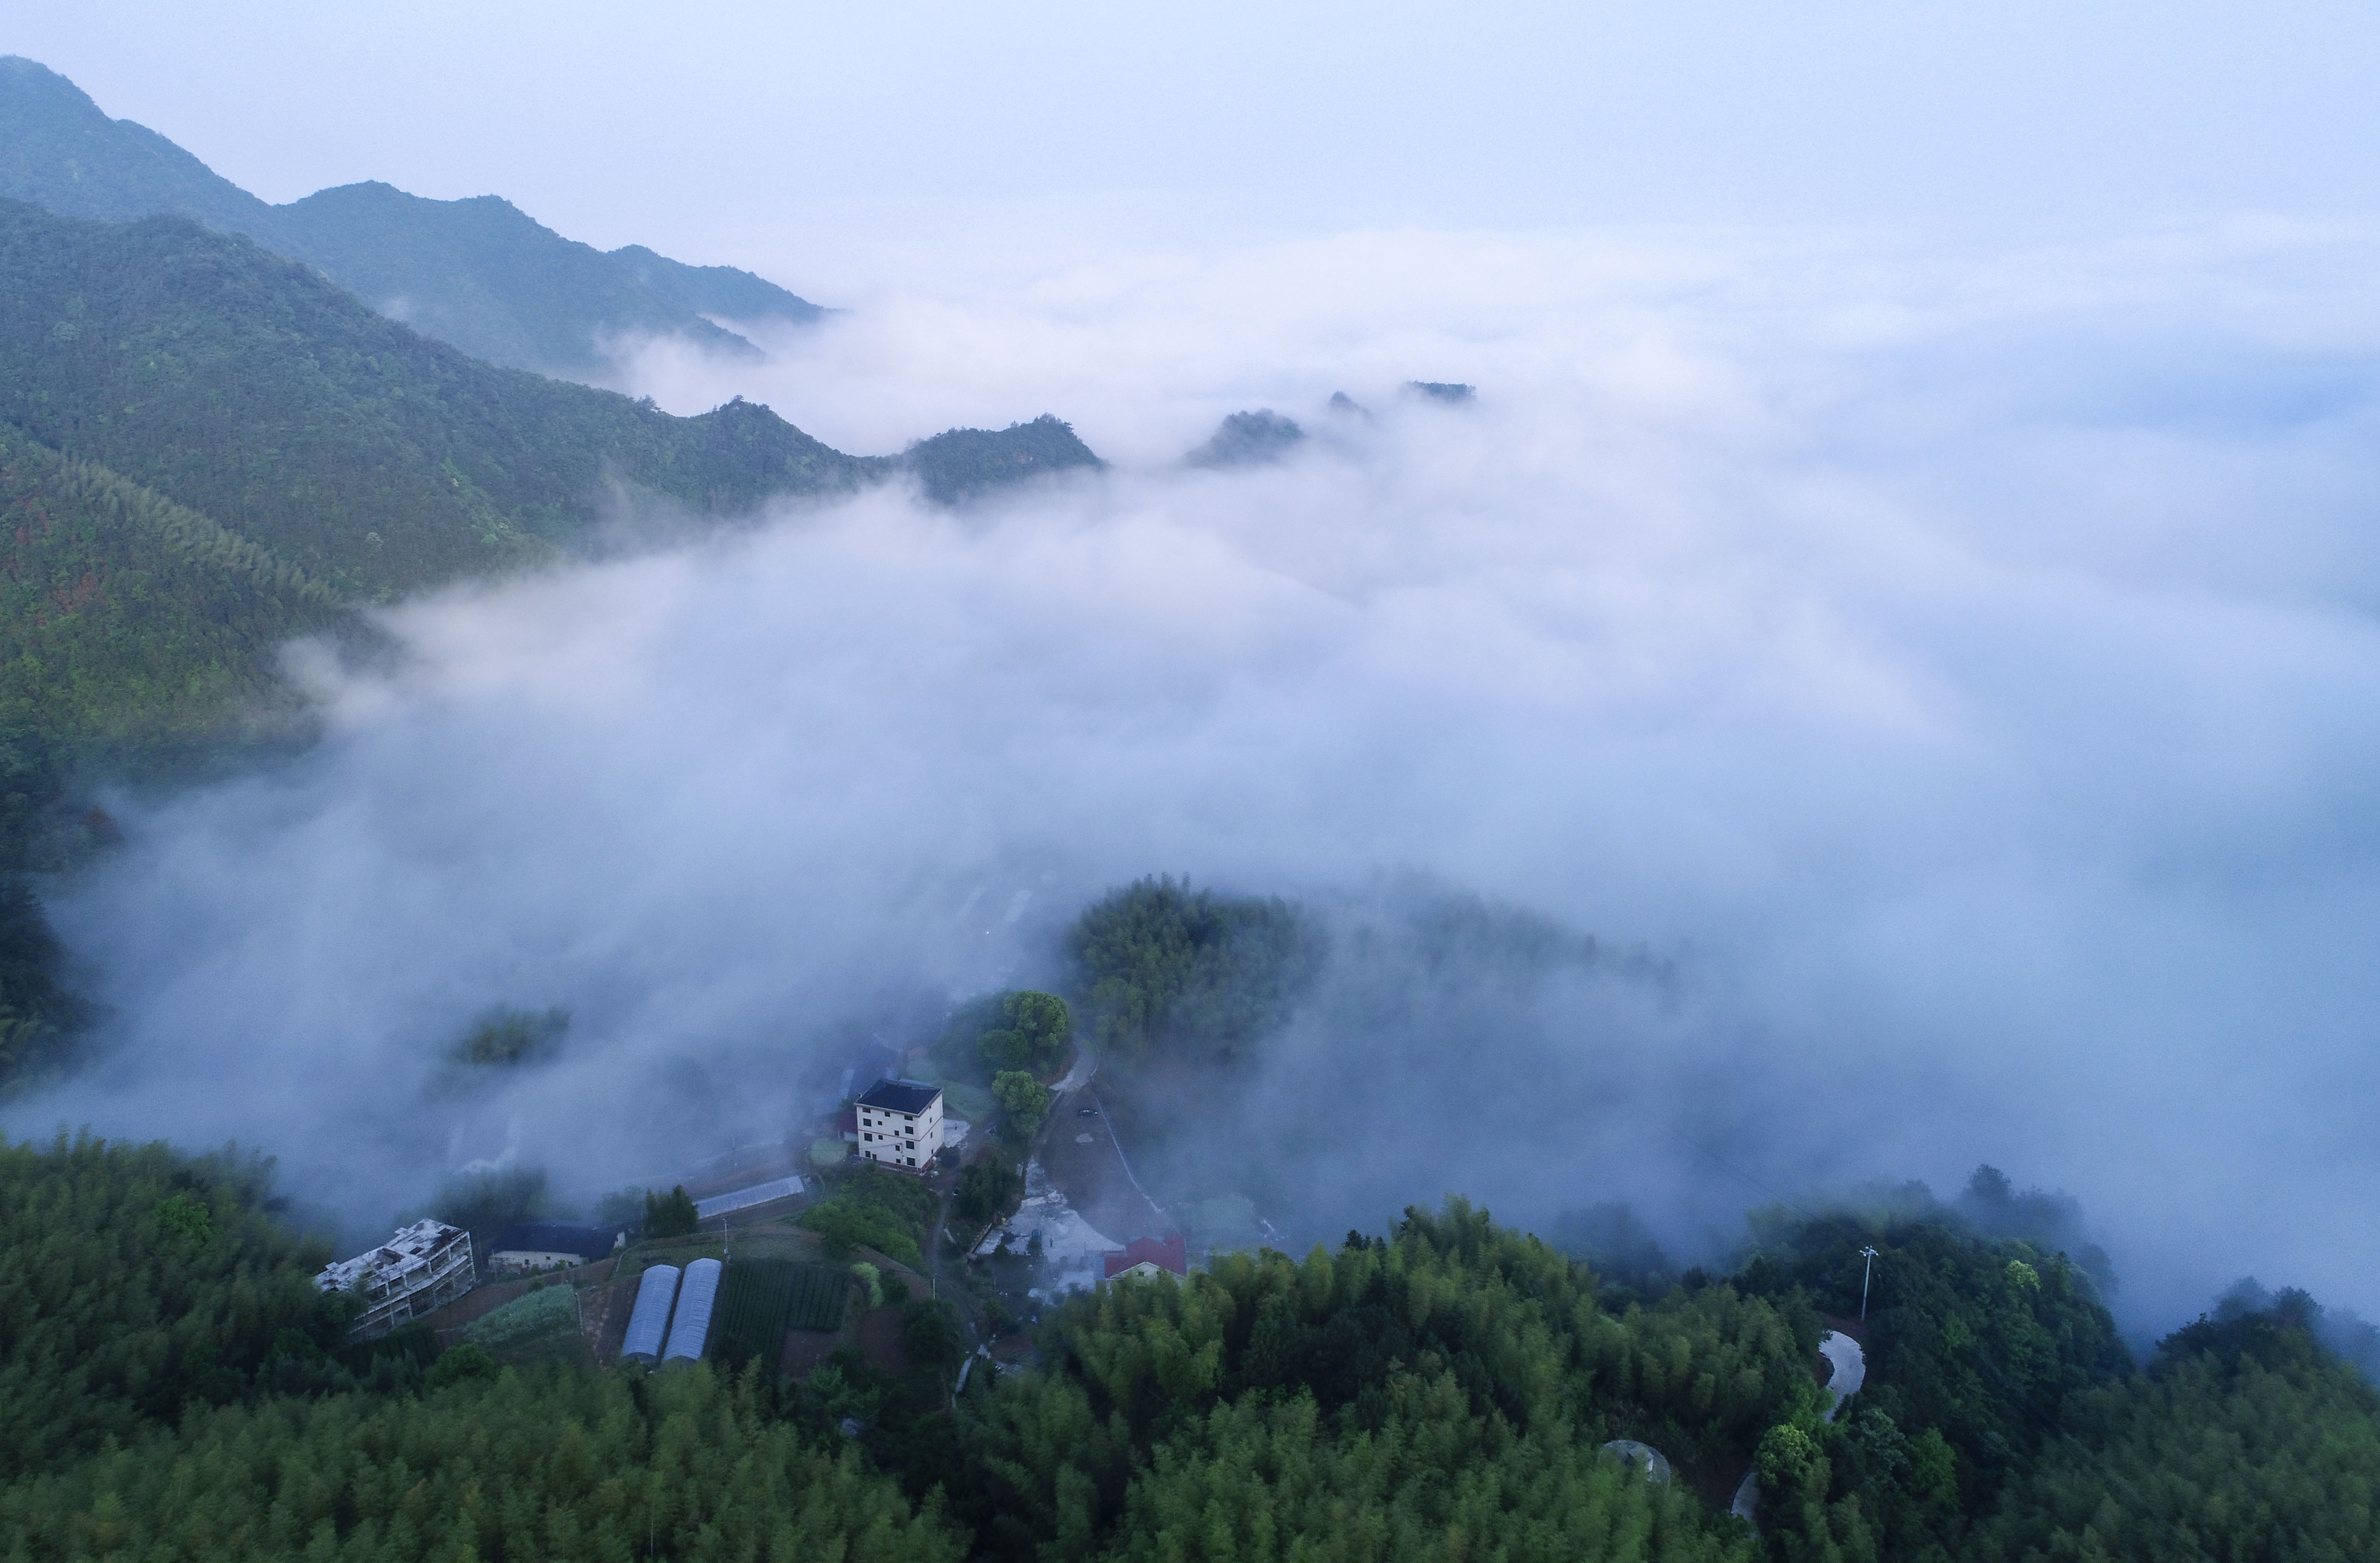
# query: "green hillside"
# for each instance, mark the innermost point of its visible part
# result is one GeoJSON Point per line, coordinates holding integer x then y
{"type": "Point", "coordinates": [478, 273]}
{"type": "Point", "coordinates": [254, 391]}
{"type": "Point", "coordinates": [962, 464]}
{"type": "Point", "coordinates": [127, 618]}
{"type": "Point", "coordinates": [172, 1385]}
{"type": "Point", "coordinates": [483, 276]}
{"type": "Point", "coordinates": [206, 450]}
{"type": "Point", "coordinates": [58, 151]}
{"type": "Point", "coordinates": [723, 291]}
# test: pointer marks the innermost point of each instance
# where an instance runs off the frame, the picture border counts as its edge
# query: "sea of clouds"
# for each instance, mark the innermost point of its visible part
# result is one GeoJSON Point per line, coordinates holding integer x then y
{"type": "Point", "coordinates": [1945, 683]}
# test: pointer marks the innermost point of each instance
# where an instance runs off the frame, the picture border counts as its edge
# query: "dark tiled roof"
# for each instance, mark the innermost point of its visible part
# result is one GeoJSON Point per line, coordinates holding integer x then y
{"type": "Point", "coordinates": [900, 1095]}
{"type": "Point", "coordinates": [557, 1237]}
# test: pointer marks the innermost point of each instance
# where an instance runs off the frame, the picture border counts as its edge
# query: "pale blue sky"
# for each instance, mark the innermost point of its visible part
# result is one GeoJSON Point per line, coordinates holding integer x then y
{"type": "Point", "coordinates": [686, 125]}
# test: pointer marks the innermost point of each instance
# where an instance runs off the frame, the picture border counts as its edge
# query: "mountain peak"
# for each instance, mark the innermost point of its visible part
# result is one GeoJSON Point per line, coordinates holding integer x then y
{"type": "Point", "coordinates": [478, 273]}
{"type": "Point", "coordinates": [59, 150]}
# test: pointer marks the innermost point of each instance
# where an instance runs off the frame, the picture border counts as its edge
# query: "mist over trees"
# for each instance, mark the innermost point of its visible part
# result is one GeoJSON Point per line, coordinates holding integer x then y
{"type": "Point", "coordinates": [2244, 1438]}
{"type": "Point", "coordinates": [1248, 439]}
{"type": "Point", "coordinates": [175, 1380]}
{"type": "Point", "coordinates": [207, 451]}
{"type": "Point", "coordinates": [962, 464]}
{"type": "Point", "coordinates": [671, 1215]}
{"type": "Point", "coordinates": [505, 1037]}
{"type": "Point", "coordinates": [1183, 978]}
{"type": "Point", "coordinates": [1032, 1034]}
{"type": "Point", "coordinates": [1399, 650]}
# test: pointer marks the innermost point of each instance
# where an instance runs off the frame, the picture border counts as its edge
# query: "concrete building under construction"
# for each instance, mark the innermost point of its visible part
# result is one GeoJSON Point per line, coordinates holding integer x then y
{"type": "Point", "coordinates": [419, 1271]}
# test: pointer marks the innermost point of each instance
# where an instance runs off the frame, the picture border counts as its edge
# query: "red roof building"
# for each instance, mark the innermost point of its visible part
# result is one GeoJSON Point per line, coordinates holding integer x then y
{"type": "Point", "coordinates": [1171, 1251]}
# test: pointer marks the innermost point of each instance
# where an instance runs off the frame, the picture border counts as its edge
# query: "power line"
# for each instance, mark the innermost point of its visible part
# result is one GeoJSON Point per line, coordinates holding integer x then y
{"type": "Point", "coordinates": [2046, 1420]}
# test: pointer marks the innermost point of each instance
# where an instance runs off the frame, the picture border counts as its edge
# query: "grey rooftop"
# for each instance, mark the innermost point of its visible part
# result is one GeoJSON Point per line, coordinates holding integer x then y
{"type": "Point", "coordinates": [900, 1095]}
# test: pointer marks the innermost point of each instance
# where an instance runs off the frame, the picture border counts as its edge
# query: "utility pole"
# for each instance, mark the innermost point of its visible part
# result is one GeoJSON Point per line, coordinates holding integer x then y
{"type": "Point", "coordinates": [1866, 1271]}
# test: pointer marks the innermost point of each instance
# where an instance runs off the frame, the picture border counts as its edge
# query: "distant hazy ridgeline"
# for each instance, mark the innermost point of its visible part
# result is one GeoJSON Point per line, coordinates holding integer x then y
{"type": "Point", "coordinates": [478, 273]}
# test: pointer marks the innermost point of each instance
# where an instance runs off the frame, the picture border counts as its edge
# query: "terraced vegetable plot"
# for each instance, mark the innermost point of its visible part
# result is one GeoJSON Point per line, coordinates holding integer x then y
{"type": "Point", "coordinates": [754, 1295]}
{"type": "Point", "coordinates": [544, 1317]}
{"type": "Point", "coordinates": [820, 1292]}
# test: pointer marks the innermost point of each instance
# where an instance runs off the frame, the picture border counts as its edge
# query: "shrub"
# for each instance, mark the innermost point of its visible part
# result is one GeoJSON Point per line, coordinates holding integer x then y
{"type": "Point", "coordinates": [671, 1215]}
{"type": "Point", "coordinates": [540, 1313]}
{"type": "Point", "coordinates": [457, 1363]}
{"type": "Point", "coordinates": [987, 1190]}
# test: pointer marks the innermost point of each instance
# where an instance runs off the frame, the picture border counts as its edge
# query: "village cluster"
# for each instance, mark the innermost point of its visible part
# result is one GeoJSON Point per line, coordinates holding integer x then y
{"type": "Point", "coordinates": [638, 1300]}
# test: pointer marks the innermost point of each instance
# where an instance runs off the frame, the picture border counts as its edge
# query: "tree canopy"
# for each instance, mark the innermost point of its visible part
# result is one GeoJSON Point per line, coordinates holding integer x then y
{"type": "Point", "coordinates": [1172, 975]}
{"type": "Point", "coordinates": [172, 1385]}
{"type": "Point", "coordinates": [1033, 1033]}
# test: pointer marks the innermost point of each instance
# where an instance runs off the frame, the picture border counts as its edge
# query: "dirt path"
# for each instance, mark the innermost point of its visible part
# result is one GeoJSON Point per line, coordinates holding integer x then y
{"type": "Point", "coordinates": [1085, 1164]}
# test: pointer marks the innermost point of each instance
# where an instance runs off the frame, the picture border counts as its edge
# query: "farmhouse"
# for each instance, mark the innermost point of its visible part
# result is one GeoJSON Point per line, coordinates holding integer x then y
{"type": "Point", "coordinates": [419, 1270]}
{"type": "Point", "coordinates": [901, 1123]}
{"type": "Point", "coordinates": [546, 1245]}
{"type": "Point", "coordinates": [1147, 1256]}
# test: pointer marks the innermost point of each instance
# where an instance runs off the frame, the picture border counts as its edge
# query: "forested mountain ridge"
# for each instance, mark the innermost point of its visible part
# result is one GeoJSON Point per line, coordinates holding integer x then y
{"type": "Point", "coordinates": [255, 391]}
{"type": "Point", "coordinates": [478, 273]}
{"type": "Point", "coordinates": [207, 449]}
{"type": "Point", "coordinates": [130, 618]}
{"type": "Point", "coordinates": [62, 153]}
{"type": "Point", "coordinates": [482, 276]}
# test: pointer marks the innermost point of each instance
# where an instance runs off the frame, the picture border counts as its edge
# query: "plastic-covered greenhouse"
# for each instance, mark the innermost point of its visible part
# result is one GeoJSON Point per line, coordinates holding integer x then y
{"type": "Point", "coordinates": [691, 1328]}
{"type": "Point", "coordinates": [650, 1321]}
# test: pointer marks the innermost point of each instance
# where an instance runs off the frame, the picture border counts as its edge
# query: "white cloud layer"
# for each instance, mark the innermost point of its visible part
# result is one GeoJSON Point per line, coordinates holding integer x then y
{"type": "Point", "coordinates": [1962, 667]}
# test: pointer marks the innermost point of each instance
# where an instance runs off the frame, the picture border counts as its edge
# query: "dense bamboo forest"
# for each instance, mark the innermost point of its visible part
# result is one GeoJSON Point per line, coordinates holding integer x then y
{"type": "Point", "coordinates": [175, 1387]}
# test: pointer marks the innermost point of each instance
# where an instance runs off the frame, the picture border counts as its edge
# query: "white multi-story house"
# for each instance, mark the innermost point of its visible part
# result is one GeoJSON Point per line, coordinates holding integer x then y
{"type": "Point", "coordinates": [424, 1267]}
{"type": "Point", "coordinates": [901, 1123]}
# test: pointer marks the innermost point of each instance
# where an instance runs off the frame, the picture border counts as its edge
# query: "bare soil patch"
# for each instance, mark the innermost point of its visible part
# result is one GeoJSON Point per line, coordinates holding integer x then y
{"type": "Point", "coordinates": [1093, 1177]}
{"type": "Point", "coordinates": [807, 1350]}
{"type": "Point", "coordinates": [879, 1339]}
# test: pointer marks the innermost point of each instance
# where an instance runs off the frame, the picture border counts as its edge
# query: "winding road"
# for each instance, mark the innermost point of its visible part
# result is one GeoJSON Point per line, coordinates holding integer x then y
{"type": "Point", "coordinates": [1849, 1370]}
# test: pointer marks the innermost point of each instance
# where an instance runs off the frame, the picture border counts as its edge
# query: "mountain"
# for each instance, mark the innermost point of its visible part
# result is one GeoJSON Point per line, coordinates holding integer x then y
{"type": "Point", "coordinates": [191, 384]}
{"type": "Point", "coordinates": [57, 150]}
{"type": "Point", "coordinates": [207, 449]}
{"type": "Point", "coordinates": [962, 464]}
{"type": "Point", "coordinates": [720, 291]}
{"type": "Point", "coordinates": [479, 275]}
{"type": "Point", "coordinates": [254, 391]}
{"type": "Point", "coordinates": [483, 276]}
{"type": "Point", "coordinates": [1247, 439]}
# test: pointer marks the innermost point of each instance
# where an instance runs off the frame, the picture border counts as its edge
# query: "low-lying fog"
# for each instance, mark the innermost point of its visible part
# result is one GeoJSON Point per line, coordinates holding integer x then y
{"type": "Point", "coordinates": [1958, 673]}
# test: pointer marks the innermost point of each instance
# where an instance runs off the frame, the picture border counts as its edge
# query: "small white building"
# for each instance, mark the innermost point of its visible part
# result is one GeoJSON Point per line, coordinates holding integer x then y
{"type": "Point", "coordinates": [551, 1245]}
{"type": "Point", "coordinates": [424, 1267]}
{"type": "Point", "coordinates": [901, 1124]}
